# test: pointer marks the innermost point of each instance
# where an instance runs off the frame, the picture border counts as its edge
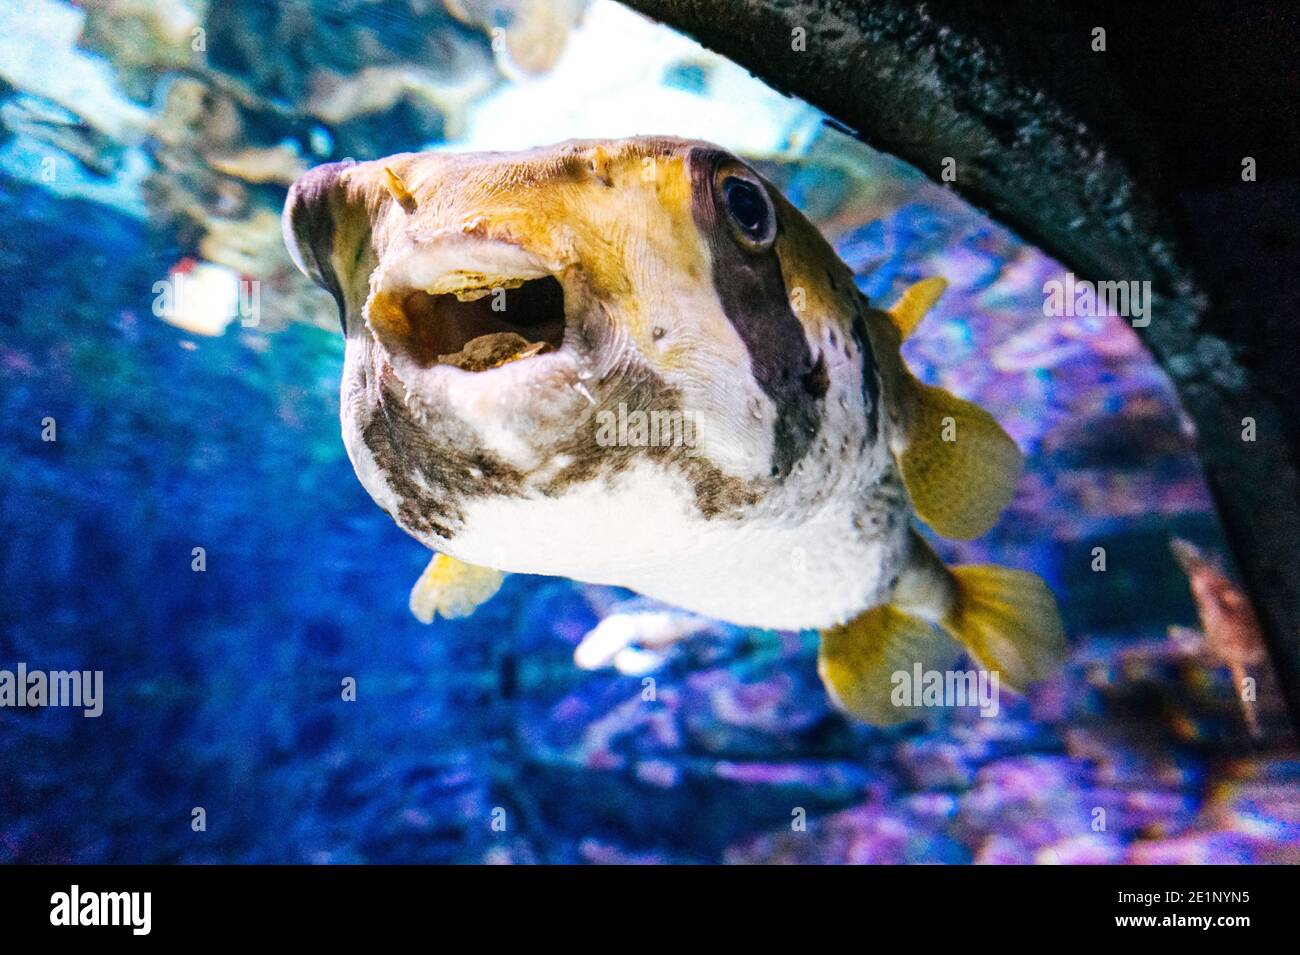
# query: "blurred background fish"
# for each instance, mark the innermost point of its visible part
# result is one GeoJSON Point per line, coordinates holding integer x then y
{"type": "Point", "coordinates": [1230, 630]}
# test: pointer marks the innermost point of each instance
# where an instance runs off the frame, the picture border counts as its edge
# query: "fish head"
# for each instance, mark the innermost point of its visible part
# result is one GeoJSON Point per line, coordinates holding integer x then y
{"type": "Point", "coordinates": [503, 310]}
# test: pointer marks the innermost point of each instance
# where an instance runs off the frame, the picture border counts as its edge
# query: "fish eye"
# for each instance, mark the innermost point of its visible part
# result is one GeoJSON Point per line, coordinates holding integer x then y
{"type": "Point", "coordinates": [749, 210]}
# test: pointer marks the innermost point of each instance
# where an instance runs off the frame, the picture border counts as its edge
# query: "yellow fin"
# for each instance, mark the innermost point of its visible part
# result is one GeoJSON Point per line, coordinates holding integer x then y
{"type": "Point", "coordinates": [959, 466]}
{"type": "Point", "coordinates": [1008, 621]}
{"type": "Point", "coordinates": [452, 588]}
{"type": "Point", "coordinates": [912, 305]}
{"type": "Point", "coordinates": [857, 662]}
{"type": "Point", "coordinates": [398, 190]}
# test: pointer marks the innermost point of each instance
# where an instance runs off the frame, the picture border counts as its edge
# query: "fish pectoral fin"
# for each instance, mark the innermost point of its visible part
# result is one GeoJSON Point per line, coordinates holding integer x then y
{"type": "Point", "coordinates": [912, 305]}
{"type": "Point", "coordinates": [452, 588]}
{"type": "Point", "coordinates": [960, 468]}
{"type": "Point", "coordinates": [859, 662]}
{"type": "Point", "coordinates": [1008, 621]}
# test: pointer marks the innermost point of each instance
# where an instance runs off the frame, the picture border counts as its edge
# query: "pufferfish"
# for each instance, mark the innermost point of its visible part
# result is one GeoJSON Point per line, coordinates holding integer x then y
{"type": "Point", "coordinates": [501, 310]}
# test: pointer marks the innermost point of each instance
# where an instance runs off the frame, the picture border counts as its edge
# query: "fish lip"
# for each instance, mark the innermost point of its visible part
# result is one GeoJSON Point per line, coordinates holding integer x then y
{"type": "Point", "coordinates": [451, 264]}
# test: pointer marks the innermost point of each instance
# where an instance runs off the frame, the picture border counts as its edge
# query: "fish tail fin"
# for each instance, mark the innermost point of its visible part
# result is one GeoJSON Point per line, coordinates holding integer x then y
{"type": "Point", "coordinates": [858, 662]}
{"type": "Point", "coordinates": [452, 588]}
{"type": "Point", "coordinates": [958, 465]}
{"type": "Point", "coordinates": [1008, 621]}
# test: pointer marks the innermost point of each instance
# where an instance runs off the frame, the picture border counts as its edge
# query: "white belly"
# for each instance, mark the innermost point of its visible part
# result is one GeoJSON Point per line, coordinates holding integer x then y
{"type": "Point", "coordinates": [779, 567]}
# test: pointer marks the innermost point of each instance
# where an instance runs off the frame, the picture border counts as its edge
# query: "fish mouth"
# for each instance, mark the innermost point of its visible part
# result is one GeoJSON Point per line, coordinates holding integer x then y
{"type": "Point", "coordinates": [473, 307]}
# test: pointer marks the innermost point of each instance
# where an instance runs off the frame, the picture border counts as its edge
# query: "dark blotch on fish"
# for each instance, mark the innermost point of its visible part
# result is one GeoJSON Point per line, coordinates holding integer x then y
{"type": "Point", "coordinates": [752, 292]}
{"type": "Point", "coordinates": [870, 378]}
{"type": "Point", "coordinates": [311, 220]}
{"type": "Point", "coordinates": [402, 447]}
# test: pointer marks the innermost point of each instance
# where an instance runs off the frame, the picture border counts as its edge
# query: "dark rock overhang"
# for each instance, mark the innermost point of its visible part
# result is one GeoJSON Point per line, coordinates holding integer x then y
{"type": "Point", "coordinates": [1124, 164]}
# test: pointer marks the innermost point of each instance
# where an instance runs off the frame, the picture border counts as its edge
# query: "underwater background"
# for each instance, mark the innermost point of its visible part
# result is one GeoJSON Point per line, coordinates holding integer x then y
{"type": "Point", "coordinates": [146, 146]}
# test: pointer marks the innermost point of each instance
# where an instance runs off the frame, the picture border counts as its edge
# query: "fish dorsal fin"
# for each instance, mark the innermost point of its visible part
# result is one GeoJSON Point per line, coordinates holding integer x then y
{"type": "Point", "coordinates": [960, 468]}
{"type": "Point", "coordinates": [452, 588]}
{"type": "Point", "coordinates": [912, 305]}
